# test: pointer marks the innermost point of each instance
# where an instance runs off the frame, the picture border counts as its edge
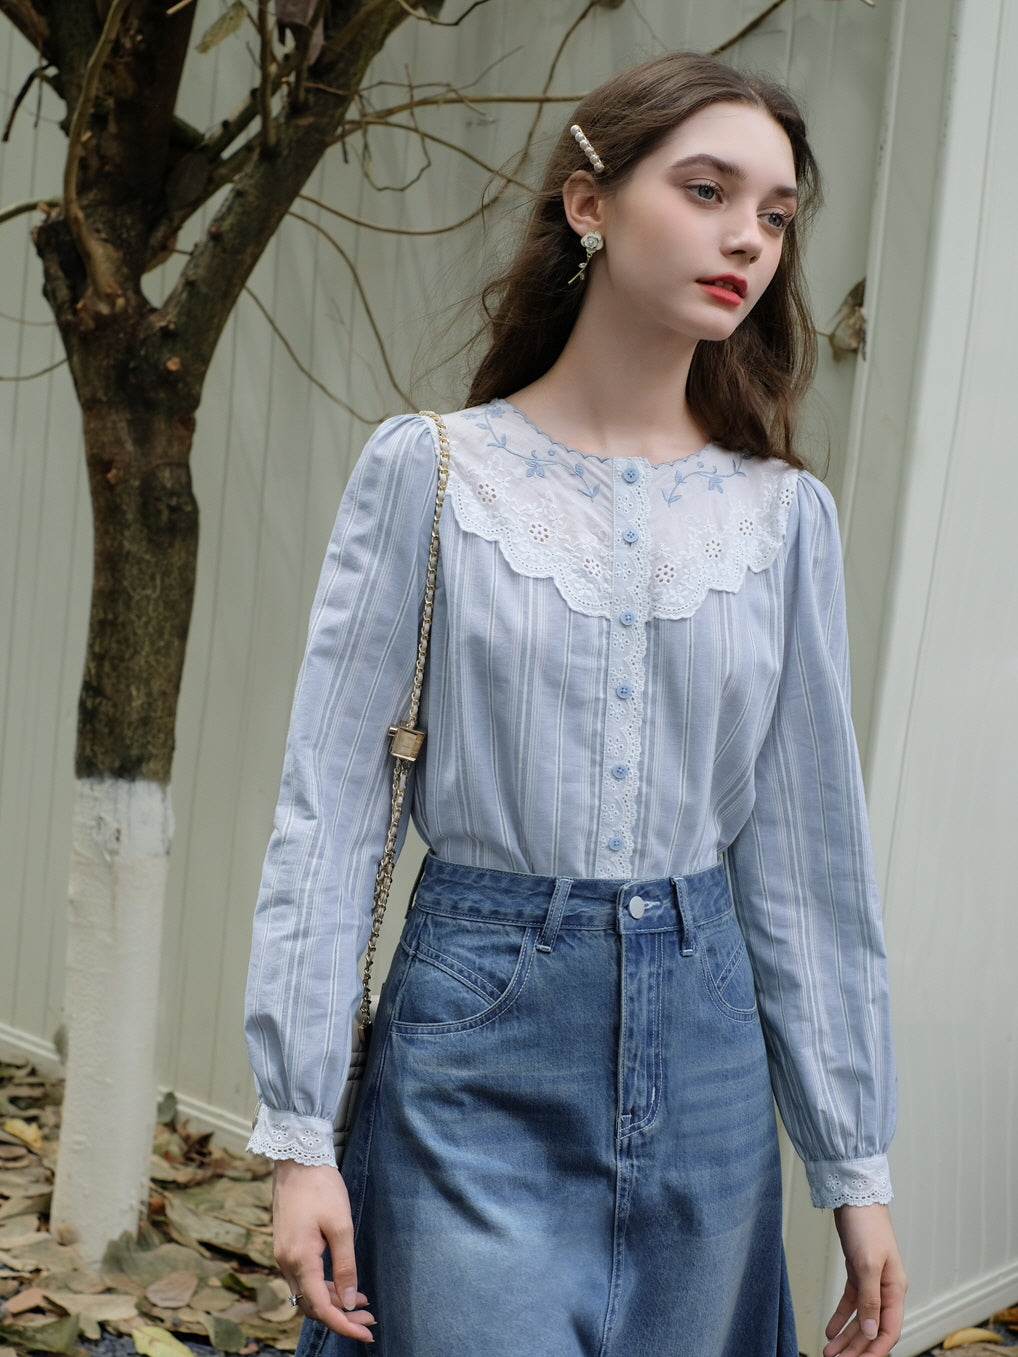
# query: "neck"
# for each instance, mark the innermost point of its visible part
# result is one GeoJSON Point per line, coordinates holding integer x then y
{"type": "Point", "coordinates": [617, 389]}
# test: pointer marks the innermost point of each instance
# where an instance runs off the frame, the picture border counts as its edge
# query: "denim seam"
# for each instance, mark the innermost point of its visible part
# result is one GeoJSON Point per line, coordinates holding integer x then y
{"type": "Point", "coordinates": [457, 971]}
{"type": "Point", "coordinates": [719, 1002]}
{"type": "Point", "coordinates": [504, 1002]}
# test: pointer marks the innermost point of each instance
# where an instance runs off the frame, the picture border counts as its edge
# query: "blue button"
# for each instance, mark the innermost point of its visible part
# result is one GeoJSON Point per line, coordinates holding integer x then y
{"type": "Point", "coordinates": [630, 535]}
{"type": "Point", "coordinates": [624, 690]}
{"type": "Point", "coordinates": [616, 844]}
{"type": "Point", "coordinates": [627, 617]}
{"type": "Point", "coordinates": [620, 770]}
{"type": "Point", "coordinates": [630, 473]}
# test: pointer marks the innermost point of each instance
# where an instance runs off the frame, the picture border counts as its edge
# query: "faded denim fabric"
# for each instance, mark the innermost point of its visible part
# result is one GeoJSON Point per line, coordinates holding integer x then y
{"type": "Point", "coordinates": [566, 1145]}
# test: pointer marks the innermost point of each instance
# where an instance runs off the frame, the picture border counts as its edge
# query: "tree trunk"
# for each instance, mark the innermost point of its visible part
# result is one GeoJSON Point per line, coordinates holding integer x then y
{"type": "Point", "coordinates": [119, 859]}
{"type": "Point", "coordinates": [133, 178]}
{"type": "Point", "coordinates": [138, 405]}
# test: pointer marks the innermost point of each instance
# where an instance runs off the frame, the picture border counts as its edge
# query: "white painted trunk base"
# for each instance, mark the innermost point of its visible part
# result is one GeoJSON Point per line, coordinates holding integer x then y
{"type": "Point", "coordinates": [121, 835]}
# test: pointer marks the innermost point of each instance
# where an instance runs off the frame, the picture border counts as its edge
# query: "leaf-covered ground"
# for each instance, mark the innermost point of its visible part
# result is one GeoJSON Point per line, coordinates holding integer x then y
{"type": "Point", "coordinates": [201, 1267]}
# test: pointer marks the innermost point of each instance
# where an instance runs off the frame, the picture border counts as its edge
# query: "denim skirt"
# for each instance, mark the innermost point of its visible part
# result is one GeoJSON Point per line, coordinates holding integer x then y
{"type": "Point", "coordinates": [566, 1143]}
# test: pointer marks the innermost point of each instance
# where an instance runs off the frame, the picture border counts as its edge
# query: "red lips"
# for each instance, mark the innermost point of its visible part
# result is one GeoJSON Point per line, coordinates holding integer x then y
{"type": "Point", "coordinates": [728, 281]}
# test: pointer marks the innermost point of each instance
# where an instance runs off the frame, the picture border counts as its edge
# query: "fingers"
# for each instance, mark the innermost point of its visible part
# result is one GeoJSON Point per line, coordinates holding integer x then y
{"type": "Point", "coordinates": [869, 1303]}
{"type": "Point", "coordinates": [875, 1289]}
{"type": "Point", "coordinates": [311, 1211]}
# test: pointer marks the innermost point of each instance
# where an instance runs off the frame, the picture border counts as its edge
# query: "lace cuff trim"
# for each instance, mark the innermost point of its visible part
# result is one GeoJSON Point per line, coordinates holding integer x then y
{"type": "Point", "coordinates": [849, 1182]}
{"type": "Point", "coordinates": [288, 1135]}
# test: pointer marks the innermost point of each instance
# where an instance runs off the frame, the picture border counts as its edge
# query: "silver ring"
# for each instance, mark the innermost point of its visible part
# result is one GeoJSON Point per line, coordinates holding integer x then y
{"type": "Point", "coordinates": [295, 1299]}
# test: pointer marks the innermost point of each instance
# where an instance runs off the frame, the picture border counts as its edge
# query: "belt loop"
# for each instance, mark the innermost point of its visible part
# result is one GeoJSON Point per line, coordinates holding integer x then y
{"type": "Point", "coordinates": [687, 936]}
{"type": "Point", "coordinates": [553, 919]}
{"type": "Point", "coordinates": [413, 893]}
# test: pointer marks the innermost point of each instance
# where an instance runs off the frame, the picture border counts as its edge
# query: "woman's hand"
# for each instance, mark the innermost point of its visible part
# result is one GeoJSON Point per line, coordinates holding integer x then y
{"type": "Point", "coordinates": [311, 1210]}
{"type": "Point", "coordinates": [867, 1322]}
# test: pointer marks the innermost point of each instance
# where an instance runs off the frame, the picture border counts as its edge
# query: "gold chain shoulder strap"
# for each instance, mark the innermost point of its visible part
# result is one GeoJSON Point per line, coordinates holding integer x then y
{"type": "Point", "coordinates": [405, 738]}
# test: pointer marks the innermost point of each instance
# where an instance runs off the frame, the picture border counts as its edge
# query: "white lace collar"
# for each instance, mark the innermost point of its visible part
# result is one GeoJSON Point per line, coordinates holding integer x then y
{"type": "Point", "coordinates": [688, 526]}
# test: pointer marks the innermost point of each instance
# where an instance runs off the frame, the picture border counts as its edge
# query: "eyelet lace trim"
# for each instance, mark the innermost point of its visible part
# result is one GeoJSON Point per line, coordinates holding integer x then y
{"type": "Point", "coordinates": [285, 1135]}
{"type": "Point", "coordinates": [866, 1183]}
{"type": "Point", "coordinates": [712, 516]}
{"type": "Point", "coordinates": [627, 570]}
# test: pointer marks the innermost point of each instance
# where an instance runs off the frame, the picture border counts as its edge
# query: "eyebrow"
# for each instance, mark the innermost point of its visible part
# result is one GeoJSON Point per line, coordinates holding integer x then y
{"type": "Point", "coordinates": [731, 171]}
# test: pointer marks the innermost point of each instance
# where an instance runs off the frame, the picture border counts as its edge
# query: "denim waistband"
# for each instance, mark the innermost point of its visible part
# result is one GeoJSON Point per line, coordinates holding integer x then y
{"type": "Point", "coordinates": [483, 894]}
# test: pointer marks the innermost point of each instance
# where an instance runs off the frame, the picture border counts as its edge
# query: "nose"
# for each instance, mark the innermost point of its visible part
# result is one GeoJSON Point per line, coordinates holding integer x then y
{"type": "Point", "coordinates": [745, 237]}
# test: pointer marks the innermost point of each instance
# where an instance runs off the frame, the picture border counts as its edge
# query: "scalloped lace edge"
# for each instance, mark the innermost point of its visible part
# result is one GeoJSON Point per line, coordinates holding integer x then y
{"type": "Point", "coordinates": [832, 1186]}
{"type": "Point", "coordinates": [707, 562]}
{"type": "Point", "coordinates": [280, 1136]}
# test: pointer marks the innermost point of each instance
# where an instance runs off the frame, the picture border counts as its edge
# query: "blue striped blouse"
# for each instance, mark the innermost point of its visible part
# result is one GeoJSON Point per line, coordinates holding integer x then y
{"type": "Point", "coordinates": [635, 669]}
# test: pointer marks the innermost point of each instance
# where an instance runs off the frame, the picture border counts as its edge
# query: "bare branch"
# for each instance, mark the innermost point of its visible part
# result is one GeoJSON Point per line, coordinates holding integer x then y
{"type": "Point", "coordinates": [267, 64]}
{"type": "Point", "coordinates": [746, 29]}
{"type": "Point", "coordinates": [100, 274]}
{"type": "Point", "coordinates": [449, 23]}
{"type": "Point", "coordinates": [392, 230]}
{"type": "Point", "coordinates": [213, 144]}
{"type": "Point", "coordinates": [370, 121]}
{"type": "Point", "coordinates": [304, 42]}
{"type": "Point", "coordinates": [38, 73]}
{"type": "Point", "coordinates": [20, 320]}
{"type": "Point", "coordinates": [27, 205]}
{"type": "Point", "coordinates": [338, 400]}
{"type": "Point", "coordinates": [364, 299]}
{"type": "Point", "coordinates": [28, 21]}
{"type": "Point", "coordinates": [31, 376]}
{"type": "Point", "coordinates": [451, 95]}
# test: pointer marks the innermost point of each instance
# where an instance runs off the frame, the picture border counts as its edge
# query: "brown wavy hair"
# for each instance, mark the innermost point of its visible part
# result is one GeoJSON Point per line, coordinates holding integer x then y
{"type": "Point", "coordinates": [744, 390]}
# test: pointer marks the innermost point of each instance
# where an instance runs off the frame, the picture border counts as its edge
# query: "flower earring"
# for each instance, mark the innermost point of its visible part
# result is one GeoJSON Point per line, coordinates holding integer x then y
{"type": "Point", "coordinates": [591, 242]}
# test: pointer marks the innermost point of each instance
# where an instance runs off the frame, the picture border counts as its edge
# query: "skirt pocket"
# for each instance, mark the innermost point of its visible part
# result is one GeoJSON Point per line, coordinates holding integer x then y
{"type": "Point", "coordinates": [726, 967]}
{"type": "Point", "coordinates": [458, 973]}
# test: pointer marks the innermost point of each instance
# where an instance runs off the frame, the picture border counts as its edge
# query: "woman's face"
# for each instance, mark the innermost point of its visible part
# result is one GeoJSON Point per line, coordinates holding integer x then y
{"type": "Point", "coordinates": [694, 236]}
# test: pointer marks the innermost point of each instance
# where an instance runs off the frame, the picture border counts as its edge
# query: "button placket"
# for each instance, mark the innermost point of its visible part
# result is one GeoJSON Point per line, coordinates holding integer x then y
{"type": "Point", "coordinates": [621, 752]}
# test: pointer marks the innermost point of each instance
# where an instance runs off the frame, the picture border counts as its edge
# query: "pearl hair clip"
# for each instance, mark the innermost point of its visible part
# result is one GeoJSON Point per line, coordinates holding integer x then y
{"type": "Point", "coordinates": [586, 148]}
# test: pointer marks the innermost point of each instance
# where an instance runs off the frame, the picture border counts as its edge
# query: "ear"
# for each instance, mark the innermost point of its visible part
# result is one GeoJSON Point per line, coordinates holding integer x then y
{"type": "Point", "coordinates": [583, 202]}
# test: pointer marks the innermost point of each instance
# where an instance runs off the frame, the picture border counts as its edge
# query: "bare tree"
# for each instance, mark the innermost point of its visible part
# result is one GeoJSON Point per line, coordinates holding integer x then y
{"type": "Point", "coordinates": [134, 175]}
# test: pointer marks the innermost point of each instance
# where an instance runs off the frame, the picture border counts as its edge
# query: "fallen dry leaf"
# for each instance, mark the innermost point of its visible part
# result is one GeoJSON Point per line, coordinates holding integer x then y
{"type": "Point", "coordinates": [25, 1206]}
{"type": "Point", "coordinates": [50, 1335]}
{"type": "Point", "coordinates": [212, 1299]}
{"type": "Point", "coordinates": [21, 1130]}
{"type": "Point", "coordinates": [973, 1350]}
{"type": "Point", "coordinates": [190, 1227]}
{"type": "Point", "coordinates": [79, 1280]}
{"type": "Point", "coordinates": [225, 1333]}
{"type": "Point", "coordinates": [108, 1305]}
{"type": "Point", "coordinates": [151, 1341]}
{"type": "Point", "coordinates": [173, 1290]}
{"type": "Point", "coordinates": [961, 1337]}
{"type": "Point", "coordinates": [30, 1299]}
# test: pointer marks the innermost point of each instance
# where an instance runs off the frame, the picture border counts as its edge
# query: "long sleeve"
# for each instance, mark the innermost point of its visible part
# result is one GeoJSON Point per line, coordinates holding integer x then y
{"type": "Point", "coordinates": [805, 891]}
{"type": "Point", "coordinates": [313, 912]}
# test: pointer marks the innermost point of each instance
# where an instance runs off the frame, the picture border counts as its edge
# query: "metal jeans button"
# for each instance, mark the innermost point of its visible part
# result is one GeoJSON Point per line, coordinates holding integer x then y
{"type": "Point", "coordinates": [637, 906]}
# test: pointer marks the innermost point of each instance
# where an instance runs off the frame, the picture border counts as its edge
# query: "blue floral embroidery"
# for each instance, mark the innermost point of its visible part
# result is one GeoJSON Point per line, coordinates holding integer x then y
{"type": "Point", "coordinates": [591, 491]}
{"type": "Point", "coordinates": [715, 479]}
{"type": "Point", "coordinates": [536, 463]}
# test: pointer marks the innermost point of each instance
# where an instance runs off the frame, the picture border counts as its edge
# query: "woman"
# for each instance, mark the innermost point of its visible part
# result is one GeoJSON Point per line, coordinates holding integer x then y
{"type": "Point", "coordinates": [637, 715]}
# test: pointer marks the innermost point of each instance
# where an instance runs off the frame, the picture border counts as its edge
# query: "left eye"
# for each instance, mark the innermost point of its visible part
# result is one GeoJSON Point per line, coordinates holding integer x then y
{"type": "Point", "coordinates": [778, 220]}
